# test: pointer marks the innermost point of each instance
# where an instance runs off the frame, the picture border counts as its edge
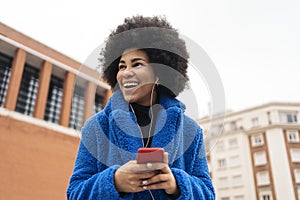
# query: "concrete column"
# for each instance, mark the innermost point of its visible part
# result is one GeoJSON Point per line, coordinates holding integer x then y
{"type": "Point", "coordinates": [67, 99]}
{"type": "Point", "coordinates": [89, 100]}
{"type": "Point", "coordinates": [44, 83]}
{"type": "Point", "coordinates": [282, 183]}
{"type": "Point", "coordinates": [15, 79]}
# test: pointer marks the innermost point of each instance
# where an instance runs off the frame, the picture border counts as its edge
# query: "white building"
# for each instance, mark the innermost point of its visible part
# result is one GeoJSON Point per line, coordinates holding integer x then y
{"type": "Point", "coordinates": [257, 155]}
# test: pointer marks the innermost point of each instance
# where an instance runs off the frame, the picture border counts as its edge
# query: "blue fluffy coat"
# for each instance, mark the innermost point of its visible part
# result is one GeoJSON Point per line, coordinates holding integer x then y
{"type": "Point", "coordinates": [111, 138]}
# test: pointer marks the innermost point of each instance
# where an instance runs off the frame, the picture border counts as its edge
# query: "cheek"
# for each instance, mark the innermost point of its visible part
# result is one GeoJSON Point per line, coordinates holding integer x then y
{"type": "Point", "coordinates": [118, 77]}
{"type": "Point", "coordinates": [149, 76]}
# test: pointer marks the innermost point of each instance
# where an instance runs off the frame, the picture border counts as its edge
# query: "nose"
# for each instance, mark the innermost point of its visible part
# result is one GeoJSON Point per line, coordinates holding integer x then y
{"type": "Point", "coordinates": [128, 72]}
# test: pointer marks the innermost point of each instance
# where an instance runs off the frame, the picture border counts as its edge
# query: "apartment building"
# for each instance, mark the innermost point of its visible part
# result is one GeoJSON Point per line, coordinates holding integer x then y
{"type": "Point", "coordinates": [45, 97]}
{"type": "Point", "coordinates": [257, 154]}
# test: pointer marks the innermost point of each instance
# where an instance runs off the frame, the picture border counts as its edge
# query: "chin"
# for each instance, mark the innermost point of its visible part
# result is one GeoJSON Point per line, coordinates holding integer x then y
{"type": "Point", "coordinates": [129, 99]}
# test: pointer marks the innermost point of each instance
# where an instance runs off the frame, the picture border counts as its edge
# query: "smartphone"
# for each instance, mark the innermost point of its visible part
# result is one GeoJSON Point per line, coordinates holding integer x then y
{"type": "Point", "coordinates": [150, 155]}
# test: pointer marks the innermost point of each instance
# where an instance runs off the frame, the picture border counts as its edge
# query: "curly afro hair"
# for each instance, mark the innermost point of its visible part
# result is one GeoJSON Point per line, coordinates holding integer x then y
{"type": "Point", "coordinates": [154, 35]}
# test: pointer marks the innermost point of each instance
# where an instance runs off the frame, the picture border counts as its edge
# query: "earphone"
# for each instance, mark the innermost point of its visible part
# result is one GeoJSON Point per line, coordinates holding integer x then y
{"type": "Point", "coordinates": [156, 82]}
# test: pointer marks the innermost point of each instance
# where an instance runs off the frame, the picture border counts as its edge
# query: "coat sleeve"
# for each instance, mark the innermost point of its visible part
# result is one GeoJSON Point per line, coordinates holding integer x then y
{"type": "Point", "coordinates": [91, 179]}
{"type": "Point", "coordinates": [195, 182]}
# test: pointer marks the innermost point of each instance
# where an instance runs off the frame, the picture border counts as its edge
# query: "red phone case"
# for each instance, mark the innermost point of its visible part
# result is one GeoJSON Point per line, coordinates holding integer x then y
{"type": "Point", "coordinates": [146, 155]}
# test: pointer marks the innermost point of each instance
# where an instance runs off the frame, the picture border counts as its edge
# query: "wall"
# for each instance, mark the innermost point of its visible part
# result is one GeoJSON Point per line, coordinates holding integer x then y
{"type": "Point", "coordinates": [35, 162]}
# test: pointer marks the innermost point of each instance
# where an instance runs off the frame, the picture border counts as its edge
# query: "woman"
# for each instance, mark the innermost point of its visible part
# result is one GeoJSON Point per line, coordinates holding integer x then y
{"type": "Point", "coordinates": [145, 62]}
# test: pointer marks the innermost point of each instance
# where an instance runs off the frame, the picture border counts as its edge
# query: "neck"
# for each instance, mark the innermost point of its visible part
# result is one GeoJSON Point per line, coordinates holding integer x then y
{"type": "Point", "coordinates": [151, 99]}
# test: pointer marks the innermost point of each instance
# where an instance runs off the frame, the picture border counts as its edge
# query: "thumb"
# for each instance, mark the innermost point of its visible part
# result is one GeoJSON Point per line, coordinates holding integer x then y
{"type": "Point", "coordinates": [166, 159]}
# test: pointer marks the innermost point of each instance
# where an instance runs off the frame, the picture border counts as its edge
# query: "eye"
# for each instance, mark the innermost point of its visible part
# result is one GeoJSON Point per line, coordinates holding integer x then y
{"type": "Point", "coordinates": [122, 67]}
{"type": "Point", "coordinates": [139, 64]}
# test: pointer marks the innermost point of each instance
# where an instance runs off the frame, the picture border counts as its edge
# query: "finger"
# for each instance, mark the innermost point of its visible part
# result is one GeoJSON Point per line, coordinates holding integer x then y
{"type": "Point", "coordinates": [159, 178]}
{"type": "Point", "coordinates": [129, 166]}
{"type": "Point", "coordinates": [166, 159]}
{"type": "Point", "coordinates": [155, 166]}
{"type": "Point", "coordinates": [165, 170]}
{"type": "Point", "coordinates": [132, 166]}
{"type": "Point", "coordinates": [135, 177]}
{"type": "Point", "coordinates": [138, 185]}
{"type": "Point", "coordinates": [149, 167]}
{"type": "Point", "coordinates": [160, 185]}
{"type": "Point", "coordinates": [146, 175]}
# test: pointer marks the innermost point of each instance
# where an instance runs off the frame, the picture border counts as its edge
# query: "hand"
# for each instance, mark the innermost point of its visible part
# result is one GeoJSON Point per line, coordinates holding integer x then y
{"type": "Point", "coordinates": [130, 176]}
{"type": "Point", "coordinates": [164, 180]}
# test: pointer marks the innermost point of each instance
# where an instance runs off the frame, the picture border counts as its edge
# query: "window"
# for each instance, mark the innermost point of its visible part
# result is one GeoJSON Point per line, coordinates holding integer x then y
{"type": "Point", "coordinates": [5, 70]}
{"type": "Point", "coordinates": [221, 163]}
{"type": "Point", "coordinates": [28, 90]}
{"type": "Point", "coordinates": [292, 136]}
{"type": "Point", "coordinates": [260, 158]}
{"type": "Point", "coordinates": [233, 126]}
{"type": "Point", "coordinates": [233, 142]}
{"type": "Point", "coordinates": [54, 100]}
{"type": "Point", "coordinates": [288, 117]}
{"type": "Point", "coordinates": [262, 178]}
{"type": "Point", "coordinates": [269, 118]}
{"type": "Point", "coordinates": [257, 140]}
{"type": "Point", "coordinates": [235, 161]}
{"type": "Point", "coordinates": [98, 103]}
{"type": "Point", "coordinates": [295, 154]}
{"type": "Point", "coordinates": [265, 195]}
{"type": "Point", "coordinates": [225, 198]}
{"type": "Point", "coordinates": [255, 122]}
{"type": "Point", "coordinates": [292, 118]}
{"type": "Point", "coordinates": [297, 175]}
{"type": "Point", "coordinates": [220, 145]}
{"type": "Point", "coordinates": [223, 182]}
{"type": "Point", "coordinates": [237, 180]}
{"type": "Point", "coordinates": [76, 117]}
{"type": "Point", "coordinates": [239, 197]}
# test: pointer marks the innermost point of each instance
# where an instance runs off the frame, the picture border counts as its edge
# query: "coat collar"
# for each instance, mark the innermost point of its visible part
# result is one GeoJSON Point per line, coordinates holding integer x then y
{"type": "Point", "coordinates": [125, 133]}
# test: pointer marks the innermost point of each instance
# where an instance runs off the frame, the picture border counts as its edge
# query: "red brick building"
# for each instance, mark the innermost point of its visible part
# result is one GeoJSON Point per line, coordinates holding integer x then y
{"type": "Point", "coordinates": [45, 97]}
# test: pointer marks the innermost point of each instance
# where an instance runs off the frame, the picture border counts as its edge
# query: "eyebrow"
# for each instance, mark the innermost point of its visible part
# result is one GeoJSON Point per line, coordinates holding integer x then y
{"type": "Point", "coordinates": [133, 60]}
{"type": "Point", "coordinates": [137, 59]}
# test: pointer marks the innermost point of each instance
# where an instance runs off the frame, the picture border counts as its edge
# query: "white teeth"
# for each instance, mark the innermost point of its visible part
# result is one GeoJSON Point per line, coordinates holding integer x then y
{"type": "Point", "coordinates": [130, 84]}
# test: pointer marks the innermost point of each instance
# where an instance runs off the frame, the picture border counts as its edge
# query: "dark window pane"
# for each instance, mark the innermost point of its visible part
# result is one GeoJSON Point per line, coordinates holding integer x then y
{"type": "Point", "coordinates": [28, 90]}
{"type": "Point", "coordinates": [295, 118]}
{"type": "Point", "coordinates": [76, 116]}
{"type": "Point", "coordinates": [5, 70]}
{"type": "Point", "coordinates": [54, 100]}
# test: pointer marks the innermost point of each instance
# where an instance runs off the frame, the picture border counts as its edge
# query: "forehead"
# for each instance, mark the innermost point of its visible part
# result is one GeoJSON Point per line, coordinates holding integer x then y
{"type": "Point", "coordinates": [134, 53]}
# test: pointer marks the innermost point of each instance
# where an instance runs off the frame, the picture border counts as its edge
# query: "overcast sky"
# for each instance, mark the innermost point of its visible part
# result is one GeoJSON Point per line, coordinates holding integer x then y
{"type": "Point", "coordinates": [254, 44]}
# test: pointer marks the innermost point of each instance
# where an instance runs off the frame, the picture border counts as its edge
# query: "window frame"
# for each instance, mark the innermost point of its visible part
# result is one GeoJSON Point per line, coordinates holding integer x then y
{"type": "Point", "coordinates": [295, 155]}
{"type": "Point", "coordinates": [295, 136]}
{"type": "Point", "coordinates": [257, 162]}
{"type": "Point", "coordinates": [254, 140]}
{"type": "Point", "coordinates": [261, 176]}
{"type": "Point", "coordinates": [221, 163]}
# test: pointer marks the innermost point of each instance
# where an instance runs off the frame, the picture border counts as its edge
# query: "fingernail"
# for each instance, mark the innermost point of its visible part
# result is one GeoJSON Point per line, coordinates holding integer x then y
{"type": "Point", "coordinates": [144, 187]}
{"type": "Point", "coordinates": [149, 165]}
{"type": "Point", "coordinates": [144, 182]}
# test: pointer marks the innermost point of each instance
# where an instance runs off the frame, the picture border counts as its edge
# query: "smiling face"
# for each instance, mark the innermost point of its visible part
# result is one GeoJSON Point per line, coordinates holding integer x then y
{"type": "Point", "coordinates": [136, 77]}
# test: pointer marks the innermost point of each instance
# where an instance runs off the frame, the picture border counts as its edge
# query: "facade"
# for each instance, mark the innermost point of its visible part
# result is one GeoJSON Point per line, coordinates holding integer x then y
{"type": "Point", "coordinates": [257, 154]}
{"type": "Point", "coordinates": [45, 97]}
